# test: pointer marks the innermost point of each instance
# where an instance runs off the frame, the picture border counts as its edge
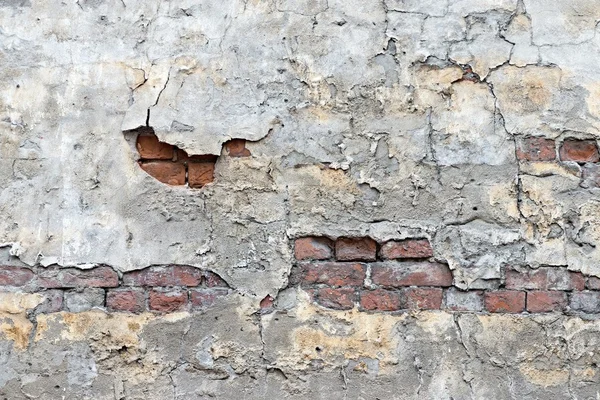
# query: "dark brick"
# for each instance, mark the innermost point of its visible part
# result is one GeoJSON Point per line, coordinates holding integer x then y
{"type": "Point", "coordinates": [546, 301]}
{"type": "Point", "coordinates": [167, 300]}
{"type": "Point", "coordinates": [382, 300]}
{"type": "Point", "coordinates": [15, 276]}
{"type": "Point", "coordinates": [411, 274]}
{"type": "Point", "coordinates": [411, 248]}
{"type": "Point", "coordinates": [54, 278]}
{"type": "Point", "coordinates": [332, 273]}
{"type": "Point", "coordinates": [356, 249]}
{"type": "Point", "coordinates": [313, 248]}
{"type": "Point", "coordinates": [128, 300]}
{"type": "Point", "coordinates": [504, 301]}
{"type": "Point", "coordinates": [178, 275]}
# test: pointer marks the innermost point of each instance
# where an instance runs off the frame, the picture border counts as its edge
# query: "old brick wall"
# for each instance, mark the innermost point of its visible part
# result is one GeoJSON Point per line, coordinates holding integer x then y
{"type": "Point", "coordinates": [303, 199]}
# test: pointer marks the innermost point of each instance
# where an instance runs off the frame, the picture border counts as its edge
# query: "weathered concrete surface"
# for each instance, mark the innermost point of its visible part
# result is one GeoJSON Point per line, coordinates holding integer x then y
{"type": "Point", "coordinates": [390, 119]}
{"type": "Point", "coordinates": [302, 352]}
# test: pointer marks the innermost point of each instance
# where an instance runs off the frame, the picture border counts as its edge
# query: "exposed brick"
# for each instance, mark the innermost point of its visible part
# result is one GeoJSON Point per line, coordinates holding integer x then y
{"type": "Point", "coordinates": [536, 149]}
{"type": "Point", "coordinates": [593, 283]}
{"type": "Point", "coordinates": [15, 276]}
{"type": "Point", "coordinates": [167, 300]}
{"type": "Point", "coordinates": [333, 273]}
{"type": "Point", "coordinates": [73, 277]}
{"type": "Point", "coordinates": [356, 249]}
{"type": "Point", "coordinates": [338, 299]}
{"type": "Point", "coordinates": [237, 148]}
{"type": "Point", "coordinates": [545, 278]}
{"type": "Point", "coordinates": [128, 300]}
{"type": "Point", "coordinates": [505, 301]}
{"type": "Point", "coordinates": [546, 301]}
{"type": "Point", "coordinates": [184, 157]}
{"type": "Point", "coordinates": [457, 300]}
{"type": "Point", "coordinates": [411, 274]}
{"type": "Point", "coordinates": [588, 302]}
{"type": "Point", "coordinates": [165, 171]}
{"type": "Point", "coordinates": [53, 302]}
{"type": "Point", "coordinates": [178, 275]}
{"type": "Point", "coordinates": [213, 280]}
{"type": "Point", "coordinates": [267, 302]}
{"type": "Point", "coordinates": [411, 248]}
{"type": "Point", "coordinates": [382, 300]}
{"type": "Point", "coordinates": [424, 298]}
{"type": "Point", "coordinates": [581, 151]}
{"type": "Point", "coordinates": [200, 174]}
{"type": "Point", "coordinates": [201, 298]}
{"type": "Point", "coordinates": [313, 248]}
{"type": "Point", "coordinates": [151, 148]}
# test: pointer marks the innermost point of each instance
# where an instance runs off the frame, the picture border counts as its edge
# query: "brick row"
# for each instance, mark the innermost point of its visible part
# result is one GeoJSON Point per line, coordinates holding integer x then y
{"type": "Point", "coordinates": [571, 149]}
{"type": "Point", "coordinates": [360, 249]}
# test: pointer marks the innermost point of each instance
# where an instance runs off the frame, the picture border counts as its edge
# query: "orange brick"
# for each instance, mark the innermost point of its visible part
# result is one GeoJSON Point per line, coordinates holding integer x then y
{"type": "Point", "coordinates": [166, 172]}
{"type": "Point", "coordinates": [150, 148]}
{"type": "Point", "coordinates": [199, 174]}
{"type": "Point", "coordinates": [237, 148]}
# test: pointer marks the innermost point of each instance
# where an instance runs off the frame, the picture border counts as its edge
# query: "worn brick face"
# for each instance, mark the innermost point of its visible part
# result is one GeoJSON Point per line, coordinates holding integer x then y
{"type": "Point", "coordinates": [338, 299]}
{"type": "Point", "coordinates": [458, 300]}
{"type": "Point", "coordinates": [127, 300]}
{"type": "Point", "coordinates": [545, 278]}
{"type": "Point", "coordinates": [202, 298]}
{"type": "Point", "coordinates": [580, 151]}
{"type": "Point", "coordinates": [382, 300]}
{"type": "Point", "coordinates": [167, 172]}
{"type": "Point", "coordinates": [167, 300]}
{"type": "Point", "coordinates": [313, 248]}
{"type": "Point", "coordinates": [332, 273]}
{"type": "Point", "coordinates": [151, 148]}
{"type": "Point", "coordinates": [356, 249]}
{"type": "Point", "coordinates": [179, 275]}
{"type": "Point", "coordinates": [424, 298]}
{"type": "Point", "coordinates": [536, 149]}
{"type": "Point", "coordinates": [104, 277]}
{"type": "Point", "coordinates": [411, 248]}
{"type": "Point", "coordinates": [411, 274]}
{"type": "Point", "coordinates": [505, 301]}
{"type": "Point", "coordinates": [546, 301]}
{"type": "Point", "coordinates": [15, 276]}
{"type": "Point", "coordinates": [237, 148]}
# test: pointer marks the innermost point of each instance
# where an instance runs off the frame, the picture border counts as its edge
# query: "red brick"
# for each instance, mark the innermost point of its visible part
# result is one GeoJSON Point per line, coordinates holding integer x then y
{"type": "Point", "coordinates": [237, 148]}
{"type": "Point", "coordinates": [200, 174]}
{"type": "Point", "coordinates": [178, 275]}
{"type": "Point", "coordinates": [545, 278]}
{"type": "Point", "coordinates": [150, 148]}
{"type": "Point", "coordinates": [267, 303]}
{"type": "Point", "coordinates": [411, 274]}
{"type": "Point", "coordinates": [356, 249]}
{"type": "Point", "coordinates": [128, 300]}
{"type": "Point", "coordinates": [581, 151]}
{"type": "Point", "coordinates": [313, 248]}
{"type": "Point", "coordinates": [382, 300]}
{"type": "Point", "coordinates": [213, 280]}
{"type": "Point", "coordinates": [165, 171]}
{"type": "Point", "coordinates": [546, 301]}
{"type": "Point", "coordinates": [424, 298]}
{"type": "Point", "coordinates": [536, 149]}
{"type": "Point", "coordinates": [593, 283]}
{"type": "Point", "coordinates": [333, 273]}
{"type": "Point", "coordinates": [167, 301]}
{"type": "Point", "coordinates": [411, 248]}
{"type": "Point", "coordinates": [505, 301]}
{"type": "Point", "coordinates": [338, 299]}
{"type": "Point", "coordinates": [53, 278]}
{"type": "Point", "coordinates": [201, 298]}
{"type": "Point", "coordinates": [15, 276]}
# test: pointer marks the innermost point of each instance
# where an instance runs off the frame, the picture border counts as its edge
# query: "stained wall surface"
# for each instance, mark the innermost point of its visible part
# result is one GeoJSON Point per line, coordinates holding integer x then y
{"type": "Point", "coordinates": [301, 199]}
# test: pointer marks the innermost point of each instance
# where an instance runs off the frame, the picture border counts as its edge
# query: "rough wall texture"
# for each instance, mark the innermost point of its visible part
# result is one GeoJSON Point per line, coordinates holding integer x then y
{"type": "Point", "coordinates": [306, 199]}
